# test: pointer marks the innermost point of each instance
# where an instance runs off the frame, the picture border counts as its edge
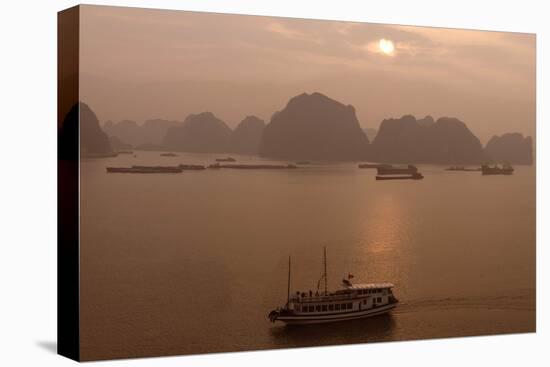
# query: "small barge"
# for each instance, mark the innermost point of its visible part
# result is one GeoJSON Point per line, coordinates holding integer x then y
{"type": "Point", "coordinates": [192, 167]}
{"type": "Point", "coordinates": [409, 170]}
{"type": "Point", "coordinates": [496, 170]}
{"type": "Point", "coordinates": [145, 169]}
{"type": "Point", "coordinates": [253, 166]}
{"type": "Point", "coordinates": [226, 159]}
{"type": "Point", "coordinates": [463, 169]}
{"type": "Point", "coordinates": [414, 176]}
{"type": "Point", "coordinates": [374, 165]}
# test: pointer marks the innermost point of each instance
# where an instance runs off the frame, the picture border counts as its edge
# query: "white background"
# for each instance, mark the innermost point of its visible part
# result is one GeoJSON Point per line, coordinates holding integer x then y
{"type": "Point", "coordinates": [28, 183]}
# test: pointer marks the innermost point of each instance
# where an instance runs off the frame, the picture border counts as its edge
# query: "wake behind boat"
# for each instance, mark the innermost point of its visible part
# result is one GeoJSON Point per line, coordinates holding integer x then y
{"type": "Point", "coordinates": [353, 301]}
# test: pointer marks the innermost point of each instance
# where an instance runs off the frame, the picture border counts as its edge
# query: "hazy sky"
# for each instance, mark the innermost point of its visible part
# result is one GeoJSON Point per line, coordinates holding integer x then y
{"type": "Point", "coordinates": [140, 64]}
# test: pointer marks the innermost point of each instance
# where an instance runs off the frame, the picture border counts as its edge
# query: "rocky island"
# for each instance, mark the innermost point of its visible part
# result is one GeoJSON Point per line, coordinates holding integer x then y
{"type": "Point", "coordinates": [510, 148]}
{"type": "Point", "coordinates": [314, 127]}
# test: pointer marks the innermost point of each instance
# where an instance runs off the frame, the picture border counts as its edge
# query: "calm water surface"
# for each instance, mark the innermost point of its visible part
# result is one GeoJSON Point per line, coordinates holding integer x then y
{"type": "Point", "coordinates": [193, 262]}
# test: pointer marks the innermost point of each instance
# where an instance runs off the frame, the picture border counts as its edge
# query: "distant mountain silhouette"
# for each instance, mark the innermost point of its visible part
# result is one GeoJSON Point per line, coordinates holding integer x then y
{"type": "Point", "coordinates": [201, 133]}
{"type": "Point", "coordinates": [93, 140]}
{"type": "Point", "coordinates": [426, 121]}
{"type": "Point", "coordinates": [247, 136]}
{"type": "Point", "coordinates": [118, 145]}
{"type": "Point", "coordinates": [130, 132]}
{"type": "Point", "coordinates": [127, 131]}
{"type": "Point", "coordinates": [512, 148]}
{"type": "Point", "coordinates": [154, 130]}
{"type": "Point", "coordinates": [407, 140]}
{"type": "Point", "coordinates": [370, 133]}
{"type": "Point", "coordinates": [313, 126]}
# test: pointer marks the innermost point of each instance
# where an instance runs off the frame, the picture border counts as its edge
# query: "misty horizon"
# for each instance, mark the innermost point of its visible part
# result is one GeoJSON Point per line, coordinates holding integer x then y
{"type": "Point", "coordinates": [140, 64]}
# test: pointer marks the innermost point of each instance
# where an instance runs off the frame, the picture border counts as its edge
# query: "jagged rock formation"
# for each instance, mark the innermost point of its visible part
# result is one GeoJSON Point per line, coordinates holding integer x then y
{"type": "Point", "coordinates": [93, 140]}
{"type": "Point", "coordinates": [154, 130]}
{"type": "Point", "coordinates": [118, 145]}
{"type": "Point", "coordinates": [370, 133]}
{"type": "Point", "coordinates": [130, 132]}
{"type": "Point", "coordinates": [201, 133]}
{"type": "Point", "coordinates": [406, 140]}
{"type": "Point", "coordinates": [314, 127]}
{"type": "Point", "coordinates": [426, 121]}
{"type": "Point", "coordinates": [247, 136]}
{"type": "Point", "coordinates": [127, 131]}
{"type": "Point", "coordinates": [511, 148]}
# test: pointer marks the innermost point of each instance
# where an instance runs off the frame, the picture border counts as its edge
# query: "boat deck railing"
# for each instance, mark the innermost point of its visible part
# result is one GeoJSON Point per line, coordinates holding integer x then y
{"type": "Point", "coordinates": [327, 298]}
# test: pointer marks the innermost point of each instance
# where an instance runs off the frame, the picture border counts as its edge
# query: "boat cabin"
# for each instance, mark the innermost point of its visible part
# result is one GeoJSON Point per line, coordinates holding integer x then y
{"type": "Point", "coordinates": [354, 297]}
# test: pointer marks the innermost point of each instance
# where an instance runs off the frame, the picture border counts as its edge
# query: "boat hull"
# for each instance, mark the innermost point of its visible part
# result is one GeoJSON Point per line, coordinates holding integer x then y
{"type": "Point", "coordinates": [321, 319]}
{"type": "Point", "coordinates": [412, 177]}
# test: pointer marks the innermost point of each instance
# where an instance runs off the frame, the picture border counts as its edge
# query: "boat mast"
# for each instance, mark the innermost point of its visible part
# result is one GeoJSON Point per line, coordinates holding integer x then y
{"type": "Point", "coordinates": [325, 274]}
{"type": "Point", "coordinates": [288, 288]}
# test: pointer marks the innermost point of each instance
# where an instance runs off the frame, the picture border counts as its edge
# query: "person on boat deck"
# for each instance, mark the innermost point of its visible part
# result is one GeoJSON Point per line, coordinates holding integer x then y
{"type": "Point", "coordinates": [310, 293]}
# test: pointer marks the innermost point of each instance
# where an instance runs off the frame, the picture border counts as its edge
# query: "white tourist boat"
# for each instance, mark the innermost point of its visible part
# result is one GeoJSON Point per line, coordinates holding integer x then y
{"type": "Point", "coordinates": [352, 301]}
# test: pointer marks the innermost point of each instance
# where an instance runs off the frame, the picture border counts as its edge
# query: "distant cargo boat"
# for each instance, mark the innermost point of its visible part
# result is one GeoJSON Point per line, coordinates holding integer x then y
{"type": "Point", "coordinates": [168, 154]}
{"type": "Point", "coordinates": [374, 165]}
{"type": "Point", "coordinates": [145, 169]}
{"type": "Point", "coordinates": [100, 155]}
{"type": "Point", "coordinates": [253, 166]}
{"type": "Point", "coordinates": [125, 152]}
{"type": "Point", "coordinates": [462, 168]}
{"type": "Point", "coordinates": [409, 170]}
{"type": "Point", "coordinates": [496, 170]}
{"type": "Point", "coordinates": [352, 302]}
{"type": "Point", "coordinates": [303, 162]}
{"type": "Point", "coordinates": [191, 167]}
{"type": "Point", "coordinates": [226, 159]}
{"type": "Point", "coordinates": [414, 176]}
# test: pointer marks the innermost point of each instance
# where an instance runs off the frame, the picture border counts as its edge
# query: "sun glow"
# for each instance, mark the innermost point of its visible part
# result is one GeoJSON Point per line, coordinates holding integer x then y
{"type": "Point", "coordinates": [386, 46]}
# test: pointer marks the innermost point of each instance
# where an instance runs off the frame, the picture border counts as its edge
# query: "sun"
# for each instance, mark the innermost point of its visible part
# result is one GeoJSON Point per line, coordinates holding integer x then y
{"type": "Point", "coordinates": [386, 46]}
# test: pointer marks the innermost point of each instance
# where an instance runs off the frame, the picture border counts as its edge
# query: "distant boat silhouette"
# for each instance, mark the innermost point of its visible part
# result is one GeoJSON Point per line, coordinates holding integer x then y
{"type": "Point", "coordinates": [414, 176]}
{"type": "Point", "coordinates": [496, 170]}
{"type": "Point", "coordinates": [145, 169]}
{"type": "Point", "coordinates": [410, 169]}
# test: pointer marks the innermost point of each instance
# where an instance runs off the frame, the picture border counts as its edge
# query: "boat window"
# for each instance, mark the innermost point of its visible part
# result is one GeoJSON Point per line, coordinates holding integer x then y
{"type": "Point", "coordinates": [337, 306]}
{"type": "Point", "coordinates": [350, 306]}
{"type": "Point", "coordinates": [331, 307]}
{"type": "Point", "coordinates": [379, 299]}
{"type": "Point", "coordinates": [310, 308]}
{"type": "Point", "coordinates": [318, 308]}
{"type": "Point", "coordinates": [324, 308]}
{"type": "Point", "coordinates": [364, 301]}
